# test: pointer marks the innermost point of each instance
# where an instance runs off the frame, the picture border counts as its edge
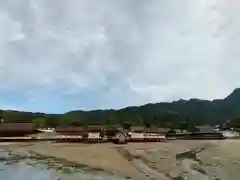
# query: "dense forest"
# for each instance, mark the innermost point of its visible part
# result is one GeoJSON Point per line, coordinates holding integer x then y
{"type": "Point", "coordinates": [177, 114]}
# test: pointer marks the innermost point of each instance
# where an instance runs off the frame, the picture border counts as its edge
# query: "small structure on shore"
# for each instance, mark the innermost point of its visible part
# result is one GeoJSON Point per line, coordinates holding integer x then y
{"type": "Point", "coordinates": [120, 138]}
{"type": "Point", "coordinates": [116, 134]}
{"type": "Point", "coordinates": [144, 134]}
{"type": "Point", "coordinates": [230, 134]}
{"type": "Point", "coordinates": [95, 133]}
{"type": "Point", "coordinates": [47, 130]}
{"type": "Point", "coordinates": [17, 129]}
{"type": "Point", "coordinates": [206, 132]}
{"type": "Point", "coordinates": [137, 133]}
{"type": "Point", "coordinates": [111, 131]}
{"type": "Point", "coordinates": [71, 130]}
{"type": "Point", "coordinates": [198, 132]}
{"type": "Point", "coordinates": [72, 133]}
{"type": "Point", "coordinates": [155, 134]}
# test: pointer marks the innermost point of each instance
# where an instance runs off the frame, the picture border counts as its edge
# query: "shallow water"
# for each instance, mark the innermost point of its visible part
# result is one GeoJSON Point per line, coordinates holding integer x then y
{"type": "Point", "coordinates": [32, 169]}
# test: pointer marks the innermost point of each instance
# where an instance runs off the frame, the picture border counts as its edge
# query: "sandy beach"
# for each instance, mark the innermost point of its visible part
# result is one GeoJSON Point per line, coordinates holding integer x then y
{"type": "Point", "coordinates": [149, 160]}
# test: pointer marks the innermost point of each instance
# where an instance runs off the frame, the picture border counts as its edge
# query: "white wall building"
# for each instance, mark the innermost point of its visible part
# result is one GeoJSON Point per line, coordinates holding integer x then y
{"type": "Point", "coordinates": [94, 135]}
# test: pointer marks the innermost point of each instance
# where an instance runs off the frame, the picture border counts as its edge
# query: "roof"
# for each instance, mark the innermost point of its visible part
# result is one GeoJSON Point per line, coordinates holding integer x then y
{"type": "Point", "coordinates": [178, 130]}
{"type": "Point", "coordinates": [70, 129]}
{"type": "Point", "coordinates": [164, 130]}
{"type": "Point", "coordinates": [113, 127]}
{"type": "Point", "coordinates": [17, 127]}
{"type": "Point", "coordinates": [156, 130]}
{"type": "Point", "coordinates": [205, 129]}
{"type": "Point", "coordinates": [95, 128]}
{"type": "Point", "coordinates": [137, 129]}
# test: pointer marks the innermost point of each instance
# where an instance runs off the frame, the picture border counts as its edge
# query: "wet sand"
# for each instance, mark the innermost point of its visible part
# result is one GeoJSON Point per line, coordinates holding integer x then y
{"type": "Point", "coordinates": [196, 160]}
{"type": "Point", "coordinates": [98, 156]}
{"type": "Point", "coordinates": [36, 167]}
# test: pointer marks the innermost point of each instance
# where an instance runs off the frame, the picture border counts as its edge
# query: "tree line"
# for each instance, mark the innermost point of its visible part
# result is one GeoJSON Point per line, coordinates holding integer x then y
{"type": "Point", "coordinates": [180, 114]}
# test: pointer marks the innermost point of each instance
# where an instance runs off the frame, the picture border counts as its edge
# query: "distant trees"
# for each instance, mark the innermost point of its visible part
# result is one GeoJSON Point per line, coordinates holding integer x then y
{"type": "Point", "coordinates": [40, 122]}
{"type": "Point", "coordinates": [45, 122]}
{"type": "Point", "coordinates": [179, 114]}
{"type": "Point", "coordinates": [233, 123]}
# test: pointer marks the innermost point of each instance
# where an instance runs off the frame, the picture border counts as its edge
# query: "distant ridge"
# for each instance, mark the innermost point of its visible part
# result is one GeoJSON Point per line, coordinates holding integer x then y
{"type": "Point", "coordinates": [195, 111]}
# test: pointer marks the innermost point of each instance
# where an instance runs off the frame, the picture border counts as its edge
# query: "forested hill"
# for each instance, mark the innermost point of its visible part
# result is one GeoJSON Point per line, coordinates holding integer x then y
{"type": "Point", "coordinates": [176, 114]}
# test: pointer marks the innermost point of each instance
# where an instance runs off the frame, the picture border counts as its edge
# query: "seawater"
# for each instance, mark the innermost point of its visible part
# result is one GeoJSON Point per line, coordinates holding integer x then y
{"type": "Point", "coordinates": [30, 169]}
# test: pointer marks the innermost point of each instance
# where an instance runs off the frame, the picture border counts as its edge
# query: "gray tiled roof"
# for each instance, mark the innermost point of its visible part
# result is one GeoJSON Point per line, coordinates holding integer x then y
{"type": "Point", "coordinates": [205, 129]}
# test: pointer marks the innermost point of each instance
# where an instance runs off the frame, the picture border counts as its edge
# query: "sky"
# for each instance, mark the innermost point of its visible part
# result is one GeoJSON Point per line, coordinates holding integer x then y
{"type": "Point", "coordinates": [58, 55]}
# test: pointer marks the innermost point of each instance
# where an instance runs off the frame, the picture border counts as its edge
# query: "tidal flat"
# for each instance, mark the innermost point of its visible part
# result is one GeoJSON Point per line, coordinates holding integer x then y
{"type": "Point", "coordinates": [29, 166]}
{"type": "Point", "coordinates": [176, 159]}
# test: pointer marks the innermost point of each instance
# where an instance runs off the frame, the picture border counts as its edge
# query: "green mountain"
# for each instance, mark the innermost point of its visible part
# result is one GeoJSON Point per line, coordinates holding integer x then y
{"type": "Point", "coordinates": [177, 114]}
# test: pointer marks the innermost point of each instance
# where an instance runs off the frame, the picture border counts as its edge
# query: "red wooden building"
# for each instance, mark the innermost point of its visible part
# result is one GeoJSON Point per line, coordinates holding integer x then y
{"type": "Point", "coordinates": [136, 133]}
{"type": "Point", "coordinates": [71, 130]}
{"type": "Point", "coordinates": [17, 129]}
{"type": "Point", "coordinates": [95, 133]}
{"type": "Point", "coordinates": [72, 133]}
{"type": "Point", "coordinates": [155, 134]}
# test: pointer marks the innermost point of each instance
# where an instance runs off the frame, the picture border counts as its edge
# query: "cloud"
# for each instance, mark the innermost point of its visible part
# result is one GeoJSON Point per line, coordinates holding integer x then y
{"type": "Point", "coordinates": [59, 55]}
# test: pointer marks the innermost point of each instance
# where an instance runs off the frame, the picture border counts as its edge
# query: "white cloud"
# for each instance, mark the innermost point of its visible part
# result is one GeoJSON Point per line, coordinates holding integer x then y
{"type": "Point", "coordinates": [137, 51]}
